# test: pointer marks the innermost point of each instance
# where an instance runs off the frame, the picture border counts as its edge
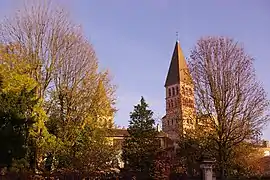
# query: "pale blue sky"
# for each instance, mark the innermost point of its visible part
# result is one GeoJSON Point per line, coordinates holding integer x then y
{"type": "Point", "coordinates": [135, 39]}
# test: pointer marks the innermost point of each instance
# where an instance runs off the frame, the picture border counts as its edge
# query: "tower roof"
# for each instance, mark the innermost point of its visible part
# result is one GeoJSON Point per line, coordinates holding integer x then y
{"type": "Point", "coordinates": [178, 70]}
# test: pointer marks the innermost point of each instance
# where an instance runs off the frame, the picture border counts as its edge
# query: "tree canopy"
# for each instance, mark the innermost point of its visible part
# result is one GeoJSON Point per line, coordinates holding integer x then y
{"type": "Point", "coordinates": [141, 147]}
{"type": "Point", "coordinates": [51, 69]}
{"type": "Point", "coordinates": [231, 103]}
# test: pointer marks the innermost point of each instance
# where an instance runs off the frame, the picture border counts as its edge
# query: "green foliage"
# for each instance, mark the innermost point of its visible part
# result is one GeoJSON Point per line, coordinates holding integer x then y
{"type": "Point", "coordinates": [23, 133]}
{"type": "Point", "coordinates": [84, 153]}
{"type": "Point", "coordinates": [74, 144]}
{"type": "Point", "coordinates": [85, 146]}
{"type": "Point", "coordinates": [188, 154]}
{"type": "Point", "coordinates": [192, 147]}
{"type": "Point", "coordinates": [14, 125]}
{"type": "Point", "coordinates": [41, 141]}
{"type": "Point", "coordinates": [57, 107]}
{"type": "Point", "coordinates": [17, 97]}
{"type": "Point", "coordinates": [139, 150]}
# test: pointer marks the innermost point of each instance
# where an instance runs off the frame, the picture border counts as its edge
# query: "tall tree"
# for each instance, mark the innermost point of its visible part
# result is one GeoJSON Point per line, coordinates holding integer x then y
{"type": "Point", "coordinates": [44, 36]}
{"type": "Point", "coordinates": [15, 122]}
{"type": "Point", "coordinates": [64, 65]}
{"type": "Point", "coordinates": [16, 73]}
{"type": "Point", "coordinates": [18, 99]}
{"type": "Point", "coordinates": [198, 143]}
{"type": "Point", "coordinates": [227, 91]}
{"type": "Point", "coordinates": [140, 148]}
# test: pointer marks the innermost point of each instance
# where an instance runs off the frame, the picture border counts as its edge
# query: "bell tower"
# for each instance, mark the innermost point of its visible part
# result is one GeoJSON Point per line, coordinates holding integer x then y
{"type": "Point", "coordinates": [180, 106]}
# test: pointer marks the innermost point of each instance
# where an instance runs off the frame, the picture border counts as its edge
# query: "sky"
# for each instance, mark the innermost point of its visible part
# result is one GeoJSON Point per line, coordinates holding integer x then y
{"type": "Point", "coordinates": [134, 39]}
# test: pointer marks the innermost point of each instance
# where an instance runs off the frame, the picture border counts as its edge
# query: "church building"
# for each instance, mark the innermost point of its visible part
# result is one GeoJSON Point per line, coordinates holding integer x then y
{"type": "Point", "coordinates": [180, 105]}
{"type": "Point", "coordinates": [180, 109]}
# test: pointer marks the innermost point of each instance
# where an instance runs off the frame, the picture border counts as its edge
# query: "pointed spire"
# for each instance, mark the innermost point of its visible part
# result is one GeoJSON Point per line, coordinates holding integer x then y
{"type": "Point", "coordinates": [178, 70]}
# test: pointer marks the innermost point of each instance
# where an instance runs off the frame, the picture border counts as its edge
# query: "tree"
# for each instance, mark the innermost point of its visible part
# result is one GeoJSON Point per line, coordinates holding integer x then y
{"type": "Point", "coordinates": [14, 125]}
{"type": "Point", "coordinates": [17, 97]}
{"type": "Point", "coordinates": [246, 161]}
{"type": "Point", "coordinates": [44, 36]}
{"type": "Point", "coordinates": [188, 154]}
{"type": "Point", "coordinates": [87, 155]}
{"type": "Point", "coordinates": [162, 165]}
{"type": "Point", "coordinates": [72, 94]}
{"type": "Point", "coordinates": [140, 148]}
{"type": "Point", "coordinates": [18, 85]}
{"type": "Point", "coordinates": [228, 93]}
{"type": "Point", "coordinates": [83, 126]}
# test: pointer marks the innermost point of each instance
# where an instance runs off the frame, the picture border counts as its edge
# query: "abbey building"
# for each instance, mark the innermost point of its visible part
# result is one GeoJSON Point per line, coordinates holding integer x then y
{"type": "Point", "coordinates": [180, 105]}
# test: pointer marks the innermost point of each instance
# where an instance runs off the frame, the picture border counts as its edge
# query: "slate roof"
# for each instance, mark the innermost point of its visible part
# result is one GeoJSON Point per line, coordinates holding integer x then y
{"type": "Point", "coordinates": [178, 70]}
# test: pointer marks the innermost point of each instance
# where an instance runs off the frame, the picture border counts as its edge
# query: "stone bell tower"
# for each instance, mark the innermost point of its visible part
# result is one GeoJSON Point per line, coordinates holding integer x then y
{"type": "Point", "coordinates": [180, 106]}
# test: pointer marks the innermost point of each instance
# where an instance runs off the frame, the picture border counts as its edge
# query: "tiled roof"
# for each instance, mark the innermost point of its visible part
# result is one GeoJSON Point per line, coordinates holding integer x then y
{"type": "Point", "coordinates": [124, 133]}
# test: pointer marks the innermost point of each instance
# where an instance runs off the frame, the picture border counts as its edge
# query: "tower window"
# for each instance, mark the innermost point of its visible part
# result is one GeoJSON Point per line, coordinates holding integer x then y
{"type": "Point", "coordinates": [172, 121]}
{"type": "Point", "coordinates": [173, 91]}
{"type": "Point", "coordinates": [183, 90]}
{"type": "Point", "coordinates": [168, 122]}
{"type": "Point", "coordinates": [170, 93]}
{"type": "Point", "coordinates": [177, 90]}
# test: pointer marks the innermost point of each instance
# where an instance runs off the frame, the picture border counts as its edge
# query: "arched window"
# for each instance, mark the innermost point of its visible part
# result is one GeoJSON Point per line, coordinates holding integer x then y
{"type": "Point", "coordinates": [177, 90]}
{"type": "Point", "coordinates": [183, 90]}
{"type": "Point", "coordinates": [173, 91]}
{"type": "Point", "coordinates": [170, 93]}
{"type": "Point", "coordinates": [184, 101]}
{"type": "Point", "coordinates": [191, 104]}
{"type": "Point", "coordinates": [172, 121]}
{"type": "Point", "coordinates": [168, 122]}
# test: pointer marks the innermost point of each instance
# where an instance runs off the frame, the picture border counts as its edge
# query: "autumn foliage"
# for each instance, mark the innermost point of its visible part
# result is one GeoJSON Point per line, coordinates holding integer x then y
{"type": "Point", "coordinates": [59, 105]}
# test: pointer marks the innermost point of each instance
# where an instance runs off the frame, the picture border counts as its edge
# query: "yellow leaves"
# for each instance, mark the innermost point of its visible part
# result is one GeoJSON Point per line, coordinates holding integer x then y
{"type": "Point", "coordinates": [16, 83]}
{"type": "Point", "coordinates": [40, 117]}
{"type": "Point", "coordinates": [43, 139]}
{"type": "Point", "coordinates": [14, 73]}
{"type": "Point", "coordinates": [100, 112]}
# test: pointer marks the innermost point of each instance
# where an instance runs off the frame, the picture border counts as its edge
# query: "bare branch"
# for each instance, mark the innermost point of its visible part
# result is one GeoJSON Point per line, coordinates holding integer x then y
{"type": "Point", "coordinates": [227, 90]}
